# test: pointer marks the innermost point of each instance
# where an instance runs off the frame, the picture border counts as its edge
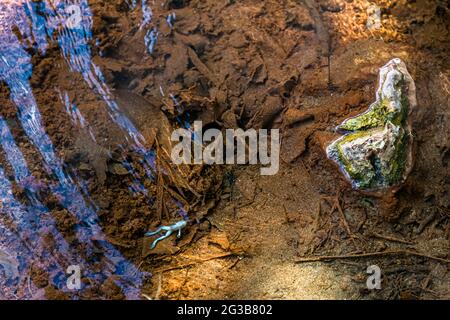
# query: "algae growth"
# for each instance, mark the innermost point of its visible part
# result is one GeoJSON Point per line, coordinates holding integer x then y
{"type": "Point", "coordinates": [376, 151]}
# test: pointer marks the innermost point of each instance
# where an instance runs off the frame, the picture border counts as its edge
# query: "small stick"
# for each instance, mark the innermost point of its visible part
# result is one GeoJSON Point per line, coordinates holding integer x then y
{"type": "Point", "coordinates": [372, 254]}
{"type": "Point", "coordinates": [202, 67]}
{"type": "Point", "coordinates": [337, 206]}
{"type": "Point", "coordinates": [246, 204]}
{"type": "Point", "coordinates": [158, 289]}
{"type": "Point", "coordinates": [234, 264]}
{"type": "Point", "coordinates": [317, 219]}
{"type": "Point", "coordinates": [389, 238]}
{"type": "Point", "coordinates": [182, 266]}
{"type": "Point", "coordinates": [285, 214]}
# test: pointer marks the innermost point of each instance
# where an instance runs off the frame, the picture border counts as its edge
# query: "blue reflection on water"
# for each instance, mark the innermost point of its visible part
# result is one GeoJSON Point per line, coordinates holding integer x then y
{"type": "Point", "coordinates": [171, 19]}
{"type": "Point", "coordinates": [38, 22]}
{"type": "Point", "coordinates": [147, 13]}
{"type": "Point", "coordinates": [31, 224]}
{"type": "Point", "coordinates": [74, 44]}
{"type": "Point", "coordinates": [150, 40]}
{"type": "Point", "coordinates": [75, 114]}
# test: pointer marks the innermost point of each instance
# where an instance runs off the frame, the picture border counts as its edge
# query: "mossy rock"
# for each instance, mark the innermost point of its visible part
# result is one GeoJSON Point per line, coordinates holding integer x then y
{"type": "Point", "coordinates": [375, 153]}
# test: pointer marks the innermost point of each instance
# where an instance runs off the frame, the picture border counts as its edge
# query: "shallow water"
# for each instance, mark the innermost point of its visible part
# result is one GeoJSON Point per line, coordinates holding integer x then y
{"type": "Point", "coordinates": [68, 25]}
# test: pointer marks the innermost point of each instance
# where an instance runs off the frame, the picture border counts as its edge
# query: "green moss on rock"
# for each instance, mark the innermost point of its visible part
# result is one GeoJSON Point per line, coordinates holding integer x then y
{"type": "Point", "coordinates": [376, 153]}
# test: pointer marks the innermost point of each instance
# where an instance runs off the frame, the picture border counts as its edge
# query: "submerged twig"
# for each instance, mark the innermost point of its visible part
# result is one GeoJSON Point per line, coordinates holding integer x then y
{"type": "Point", "coordinates": [389, 238]}
{"type": "Point", "coordinates": [182, 266]}
{"type": "Point", "coordinates": [371, 254]}
{"type": "Point", "coordinates": [337, 206]}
